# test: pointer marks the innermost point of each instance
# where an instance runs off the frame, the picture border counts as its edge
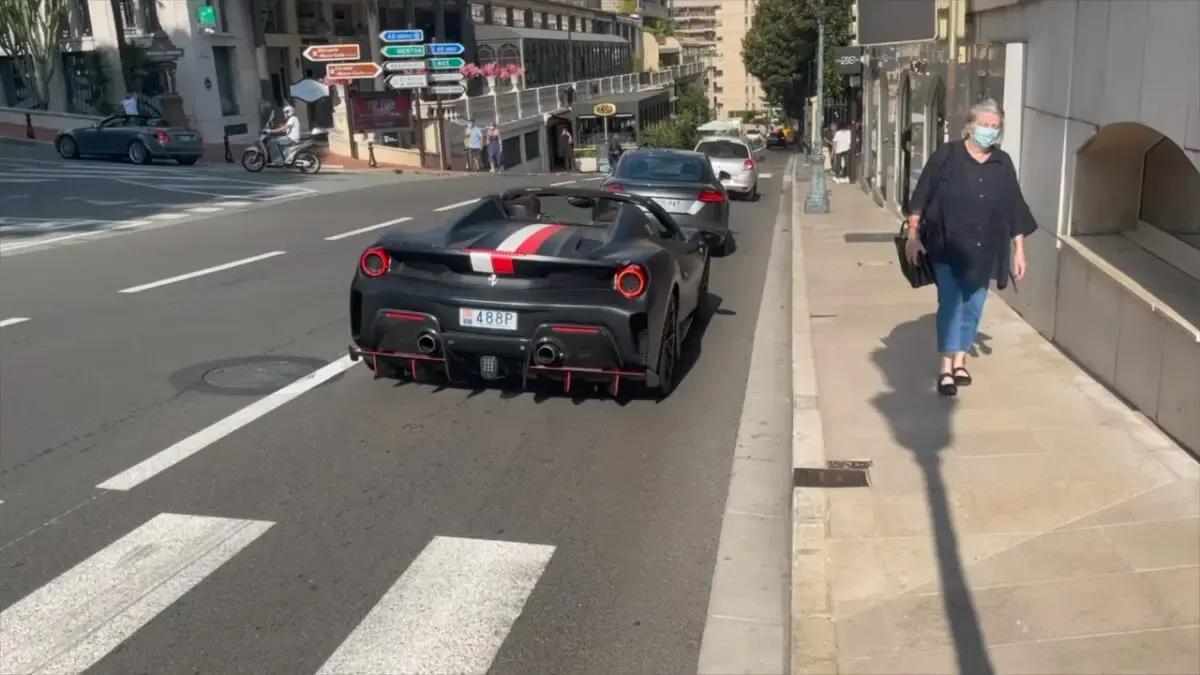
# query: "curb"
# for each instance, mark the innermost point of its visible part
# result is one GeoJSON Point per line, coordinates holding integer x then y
{"type": "Point", "coordinates": [23, 141]}
{"type": "Point", "coordinates": [813, 637]}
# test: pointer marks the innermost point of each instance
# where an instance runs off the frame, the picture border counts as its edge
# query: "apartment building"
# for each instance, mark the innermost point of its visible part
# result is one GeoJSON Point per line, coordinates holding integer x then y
{"type": "Point", "coordinates": [721, 25]}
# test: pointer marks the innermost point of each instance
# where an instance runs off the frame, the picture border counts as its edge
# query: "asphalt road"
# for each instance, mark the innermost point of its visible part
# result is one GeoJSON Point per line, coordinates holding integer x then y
{"type": "Point", "coordinates": [333, 528]}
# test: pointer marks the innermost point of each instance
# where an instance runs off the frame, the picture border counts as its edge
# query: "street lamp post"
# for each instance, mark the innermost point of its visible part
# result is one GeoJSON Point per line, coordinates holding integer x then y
{"type": "Point", "coordinates": [818, 196]}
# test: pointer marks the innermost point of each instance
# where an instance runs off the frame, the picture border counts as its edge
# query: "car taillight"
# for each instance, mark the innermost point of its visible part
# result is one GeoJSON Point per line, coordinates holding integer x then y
{"type": "Point", "coordinates": [712, 197]}
{"type": "Point", "coordinates": [375, 262]}
{"type": "Point", "coordinates": [748, 165]}
{"type": "Point", "coordinates": [612, 187]}
{"type": "Point", "coordinates": [630, 281]}
{"type": "Point", "coordinates": [162, 137]}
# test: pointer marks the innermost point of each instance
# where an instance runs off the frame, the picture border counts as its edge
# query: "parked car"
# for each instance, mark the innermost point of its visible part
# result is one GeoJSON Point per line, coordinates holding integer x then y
{"type": "Point", "coordinates": [141, 138]}
{"type": "Point", "coordinates": [735, 158]}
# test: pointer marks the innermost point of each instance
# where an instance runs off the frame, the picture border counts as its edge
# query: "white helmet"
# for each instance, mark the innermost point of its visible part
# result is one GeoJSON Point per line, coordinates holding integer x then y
{"type": "Point", "coordinates": [288, 110]}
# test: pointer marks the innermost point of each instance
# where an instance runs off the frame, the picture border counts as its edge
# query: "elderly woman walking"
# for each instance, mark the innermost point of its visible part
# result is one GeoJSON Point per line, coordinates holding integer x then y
{"type": "Point", "coordinates": [968, 215]}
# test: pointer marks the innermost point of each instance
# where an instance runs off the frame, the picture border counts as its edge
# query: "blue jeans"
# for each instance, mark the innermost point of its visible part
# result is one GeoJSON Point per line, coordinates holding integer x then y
{"type": "Point", "coordinates": [282, 143]}
{"type": "Point", "coordinates": [959, 310]}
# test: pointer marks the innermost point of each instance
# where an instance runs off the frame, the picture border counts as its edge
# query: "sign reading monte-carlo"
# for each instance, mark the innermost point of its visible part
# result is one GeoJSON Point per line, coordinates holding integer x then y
{"type": "Point", "coordinates": [887, 22]}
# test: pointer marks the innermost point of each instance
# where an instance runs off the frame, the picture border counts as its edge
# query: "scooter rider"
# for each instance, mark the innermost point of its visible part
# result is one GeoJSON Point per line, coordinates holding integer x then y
{"type": "Point", "coordinates": [290, 134]}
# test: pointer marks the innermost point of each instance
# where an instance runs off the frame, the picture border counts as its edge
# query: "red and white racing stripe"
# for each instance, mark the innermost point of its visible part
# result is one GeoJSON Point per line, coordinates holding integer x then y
{"type": "Point", "coordinates": [525, 241]}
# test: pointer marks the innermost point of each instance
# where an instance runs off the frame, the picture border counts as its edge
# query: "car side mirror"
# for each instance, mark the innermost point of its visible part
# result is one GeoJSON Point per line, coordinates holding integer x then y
{"type": "Point", "coordinates": [582, 202]}
{"type": "Point", "coordinates": [695, 245]}
{"type": "Point", "coordinates": [724, 175]}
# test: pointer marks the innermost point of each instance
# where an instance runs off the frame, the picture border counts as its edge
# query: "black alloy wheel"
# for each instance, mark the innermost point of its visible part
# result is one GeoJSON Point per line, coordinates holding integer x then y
{"type": "Point", "coordinates": [668, 351]}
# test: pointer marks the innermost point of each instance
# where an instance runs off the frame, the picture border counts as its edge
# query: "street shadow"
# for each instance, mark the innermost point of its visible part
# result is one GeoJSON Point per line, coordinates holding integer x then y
{"type": "Point", "coordinates": [920, 421]}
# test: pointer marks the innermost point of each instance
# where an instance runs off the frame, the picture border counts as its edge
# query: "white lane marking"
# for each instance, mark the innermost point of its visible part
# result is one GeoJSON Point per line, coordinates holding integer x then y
{"type": "Point", "coordinates": [165, 459]}
{"type": "Point", "coordinates": [449, 612]}
{"type": "Point", "coordinates": [167, 216]}
{"type": "Point", "coordinates": [456, 205]}
{"type": "Point", "coordinates": [75, 620]}
{"type": "Point", "coordinates": [376, 226]}
{"type": "Point", "coordinates": [200, 273]}
{"type": "Point", "coordinates": [13, 321]}
{"type": "Point", "coordinates": [233, 205]}
{"type": "Point", "coordinates": [204, 209]}
{"type": "Point", "coordinates": [765, 175]}
{"type": "Point", "coordinates": [131, 225]}
{"type": "Point", "coordinates": [589, 180]}
{"type": "Point", "coordinates": [4, 248]}
{"type": "Point", "coordinates": [565, 182]}
{"type": "Point", "coordinates": [296, 192]}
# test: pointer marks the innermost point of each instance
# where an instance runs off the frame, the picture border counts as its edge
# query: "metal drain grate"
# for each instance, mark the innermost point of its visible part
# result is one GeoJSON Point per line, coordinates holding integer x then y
{"type": "Point", "coordinates": [837, 474]}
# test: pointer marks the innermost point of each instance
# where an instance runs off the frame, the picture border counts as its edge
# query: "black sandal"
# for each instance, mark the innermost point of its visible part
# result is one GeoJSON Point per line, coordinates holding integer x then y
{"type": "Point", "coordinates": [946, 385]}
{"type": "Point", "coordinates": [962, 377]}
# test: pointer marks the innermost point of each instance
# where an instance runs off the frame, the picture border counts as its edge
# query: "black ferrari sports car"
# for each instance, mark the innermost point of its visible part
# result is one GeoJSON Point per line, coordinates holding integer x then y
{"type": "Point", "coordinates": [541, 283]}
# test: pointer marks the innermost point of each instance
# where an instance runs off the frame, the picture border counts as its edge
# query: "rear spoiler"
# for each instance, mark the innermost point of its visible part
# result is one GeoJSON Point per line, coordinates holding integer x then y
{"type": "Point", "coordinates": [485, 261]}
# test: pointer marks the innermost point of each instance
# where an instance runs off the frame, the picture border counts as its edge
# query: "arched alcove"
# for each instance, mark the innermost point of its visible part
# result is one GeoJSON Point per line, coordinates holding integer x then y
{"type": "Point", "coordinates": [938, 133]}
{"type": "Point", "coordinates": [904, 142]}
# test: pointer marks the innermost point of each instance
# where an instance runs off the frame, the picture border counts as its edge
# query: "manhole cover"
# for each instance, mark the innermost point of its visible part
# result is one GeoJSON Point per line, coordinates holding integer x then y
{"type": "Point", "coordinates": [258, 375]}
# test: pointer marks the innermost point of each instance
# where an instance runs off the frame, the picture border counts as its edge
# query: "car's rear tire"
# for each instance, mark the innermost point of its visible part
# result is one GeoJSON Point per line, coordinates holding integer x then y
{"type": "Point", "coordinates": [138, 153]}
{"type": "Point", "coordinates": [187, 161]}
{"type": "Point", "coordinates": [753, 196]}
{"type": "Point", "coordinates": [669, 344]}
{"type": "Point", "coordinates": [703, 305]}
{"type": "Point", "coordinates": [67, 147]}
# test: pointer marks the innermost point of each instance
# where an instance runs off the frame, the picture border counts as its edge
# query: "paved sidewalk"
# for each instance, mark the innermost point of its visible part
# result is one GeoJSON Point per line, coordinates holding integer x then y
{"type": "Point", "coordinates": [1035, 524]}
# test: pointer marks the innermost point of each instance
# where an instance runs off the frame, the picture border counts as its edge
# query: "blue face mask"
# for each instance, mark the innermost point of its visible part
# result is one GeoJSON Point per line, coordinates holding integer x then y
{"type": "Point", "coordinates": [985, 137]}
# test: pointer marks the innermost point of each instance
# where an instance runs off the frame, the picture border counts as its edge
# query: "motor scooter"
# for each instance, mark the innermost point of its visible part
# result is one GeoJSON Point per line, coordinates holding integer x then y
{"type": "Point", "coordinates": [299, 156]}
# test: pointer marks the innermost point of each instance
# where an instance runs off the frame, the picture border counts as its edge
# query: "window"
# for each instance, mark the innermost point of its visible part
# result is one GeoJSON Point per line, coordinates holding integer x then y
{"type": "Point", "coordinates": [545, 20]}
{"type": "Point", "coordinates": [559, 19]}
{"type": "Point", "coordinates": [478, 13]}
{"type": "Point", "coordinates": [508, 17]}
{"type": "Point", "coordinates": [724, 150]}
{"type": "Point", "coordinates": [275, 22]}
{"type": "Point", "coordinates": [343, 20]}
{"type": "Point", "coordinates": [528, 18]}
{"type": "Point", "coordinates": [225, 60]}
{"type": "Point", "coordinates": [18, 92]}
{"type": "Point", "coordinates": [666, 169]}
{"type": "Point", "coordinates": [571, 24]}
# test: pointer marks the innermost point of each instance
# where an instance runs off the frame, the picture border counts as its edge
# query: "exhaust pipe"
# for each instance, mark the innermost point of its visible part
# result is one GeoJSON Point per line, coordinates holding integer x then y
{"type": "Point", "coordinates": [427, 343]}
{"type": "Point", "coordinates": [546, 354]}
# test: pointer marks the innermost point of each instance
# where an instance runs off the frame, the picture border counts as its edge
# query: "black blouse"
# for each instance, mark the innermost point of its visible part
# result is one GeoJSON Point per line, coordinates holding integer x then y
{"type": "Point", "coordinates": [970, 212]}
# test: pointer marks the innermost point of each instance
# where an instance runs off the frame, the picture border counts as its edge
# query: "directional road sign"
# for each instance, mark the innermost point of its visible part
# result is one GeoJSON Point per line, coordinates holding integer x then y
{"type": "Point", "coordinates": [407, 81]}
{"type": "Point", "coordinates": [446, 78]}
{"type": "Point", "coordinates": [352, 71]}
{"type": "Point", "coordinates": [445, 49]}
{"type": "Point", "coordinates": [326, 53]}
{"type": "Point", "coordinates": [447, 89]}
{"type": "Point", "coordinates": [405, 67]}
{"type": "Point", "coordinates": [403, 51]}
{"type": "Point", "coordinates": [446, 64]}
{"type": "Point", "coordinates": [417, 35]}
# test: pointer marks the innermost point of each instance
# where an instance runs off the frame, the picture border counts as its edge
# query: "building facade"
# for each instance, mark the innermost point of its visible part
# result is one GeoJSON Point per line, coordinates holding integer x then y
{"type": "Point", "coordinates": [719, 26]}
{"type": "Point", "coordinates": [1102, 103]}
{"type": "Point", "coordinates": [222, 74]}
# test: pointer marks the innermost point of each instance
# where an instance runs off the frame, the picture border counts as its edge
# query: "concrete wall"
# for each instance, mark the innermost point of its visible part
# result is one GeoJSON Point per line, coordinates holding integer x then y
{"type": "Point", "coordinates": [1110, 136]}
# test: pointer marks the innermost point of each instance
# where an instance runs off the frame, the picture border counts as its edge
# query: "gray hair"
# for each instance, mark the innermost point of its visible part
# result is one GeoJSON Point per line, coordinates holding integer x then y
{"type": "Point", "coordinates": [987, 105]}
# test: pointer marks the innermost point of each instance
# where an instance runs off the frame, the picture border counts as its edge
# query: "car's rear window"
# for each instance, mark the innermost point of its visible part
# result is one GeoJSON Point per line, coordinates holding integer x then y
{"type": "Point", "coordinates": [663, 169]}
{"type": "Point", "coordinates": [723, 150]}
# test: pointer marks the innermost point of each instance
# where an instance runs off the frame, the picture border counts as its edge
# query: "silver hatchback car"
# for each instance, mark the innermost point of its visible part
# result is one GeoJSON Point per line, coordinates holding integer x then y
{"type": "Point", "coordinates": [734, 157]}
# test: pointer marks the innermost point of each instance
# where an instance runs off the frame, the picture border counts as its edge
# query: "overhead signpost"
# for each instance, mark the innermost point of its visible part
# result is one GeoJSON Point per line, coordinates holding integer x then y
{"type": "Point", "coordinates": [404, 67]}
{"type": "Point", "coordinates": [446, 78]}
{"type": "Point", "coordinates": [447, 89]}
{"type": "Point", "coordinates": [416, 35]}
{"type": "Point", "coordinates": [329, 53]}
{"type": "Point", "coordinates": [408, 81]}
{"type": "Point", "coordinates": [365, 70]}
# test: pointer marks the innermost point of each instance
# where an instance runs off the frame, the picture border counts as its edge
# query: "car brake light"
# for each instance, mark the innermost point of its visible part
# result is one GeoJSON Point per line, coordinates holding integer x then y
{"type": "Point", "coordinates": [375, 262]}
{"type": "Point", "coordinates": [612, 187]}
{"type": "Point", "coordinates": [162, 137]}
{"type": "Point", "coordinates": [712, 197]}
{"type": "Point", "coordinates": [748, 165]}
{"type": "Point", "coordinates": [630, 281]}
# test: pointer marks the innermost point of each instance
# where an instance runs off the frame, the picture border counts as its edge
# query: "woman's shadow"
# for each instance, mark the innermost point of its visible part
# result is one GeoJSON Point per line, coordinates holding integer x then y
{"type": "Point", "coordinates": [920, 421]}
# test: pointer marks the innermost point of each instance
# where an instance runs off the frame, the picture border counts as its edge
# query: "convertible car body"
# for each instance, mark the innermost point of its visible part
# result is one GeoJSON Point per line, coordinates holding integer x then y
{"type": "Point", "coordinates": [602, 291]}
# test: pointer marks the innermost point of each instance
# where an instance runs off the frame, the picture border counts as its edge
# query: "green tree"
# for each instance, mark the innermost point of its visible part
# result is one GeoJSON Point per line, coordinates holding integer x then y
{"type": "Point", "coordinates": [780, 46]}
{"type": "Point", "coordinates": [34, 28]}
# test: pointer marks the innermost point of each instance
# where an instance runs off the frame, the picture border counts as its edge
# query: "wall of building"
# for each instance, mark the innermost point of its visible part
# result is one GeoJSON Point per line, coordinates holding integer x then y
{"type": "Point", "coordinates": [1105, 121]}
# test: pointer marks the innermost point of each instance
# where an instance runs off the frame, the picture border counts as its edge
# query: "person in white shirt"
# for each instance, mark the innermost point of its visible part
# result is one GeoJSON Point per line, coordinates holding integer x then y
{"type": "Point", "coordinates": [842, 141]}
{"type": "Point", "coordinates": [290, 130]}
{"type": "Point", "coordinates": [129, 104]}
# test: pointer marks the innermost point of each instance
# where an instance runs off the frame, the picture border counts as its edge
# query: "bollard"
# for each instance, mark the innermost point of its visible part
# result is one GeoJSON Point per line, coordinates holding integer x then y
{"type": "Point", "coordinates": [228, 150]}
{"type": "Point", "coordinates": [29, 127]}
{"type": "Point", "coordinates": [371, 161]}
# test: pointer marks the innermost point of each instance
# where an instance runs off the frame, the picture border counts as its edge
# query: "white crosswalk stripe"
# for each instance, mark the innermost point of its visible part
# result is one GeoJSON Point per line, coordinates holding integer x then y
{"type": "Point", "coordinates": [450, 611]}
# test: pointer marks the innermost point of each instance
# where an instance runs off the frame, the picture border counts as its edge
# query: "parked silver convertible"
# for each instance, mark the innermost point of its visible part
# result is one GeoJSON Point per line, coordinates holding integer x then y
{"type": "Point", "coordinates": [141, 138]}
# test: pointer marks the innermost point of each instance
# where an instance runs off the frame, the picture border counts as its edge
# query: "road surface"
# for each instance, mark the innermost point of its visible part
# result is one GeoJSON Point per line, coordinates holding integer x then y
{"type": "Point", "coordinates": [166, 507]}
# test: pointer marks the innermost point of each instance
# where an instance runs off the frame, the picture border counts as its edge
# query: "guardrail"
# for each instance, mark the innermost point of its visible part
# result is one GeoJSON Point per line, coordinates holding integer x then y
{"type": "Point", "coordinates": [505, 106]}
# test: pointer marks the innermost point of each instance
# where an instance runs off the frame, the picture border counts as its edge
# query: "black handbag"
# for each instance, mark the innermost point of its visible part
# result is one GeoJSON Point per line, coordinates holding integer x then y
{"type": "Point", "coordinates": [920, 274]}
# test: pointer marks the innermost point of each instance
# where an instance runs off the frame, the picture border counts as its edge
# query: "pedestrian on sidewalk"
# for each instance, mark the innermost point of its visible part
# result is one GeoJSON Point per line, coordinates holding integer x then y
{"type": "Point", "coordinates": [474, 143]}
{"type": "Point", "coordinates": [495, 149]}
{"type": "Point", "coordinates": [841, 155]}
{"type": "Point", "coordinates": [968, 215]}
{"type": "Point", "coordinates": [129, 104]}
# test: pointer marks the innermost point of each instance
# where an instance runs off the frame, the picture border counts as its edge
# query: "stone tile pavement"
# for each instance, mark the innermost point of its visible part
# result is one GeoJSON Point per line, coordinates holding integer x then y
{"type": "Point", "coordinates": [1034, 524]}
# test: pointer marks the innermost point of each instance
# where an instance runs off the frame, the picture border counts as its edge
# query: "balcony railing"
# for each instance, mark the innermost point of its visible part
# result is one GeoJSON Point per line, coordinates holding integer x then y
{"type": "Point", "coordinates": [510, 106]}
